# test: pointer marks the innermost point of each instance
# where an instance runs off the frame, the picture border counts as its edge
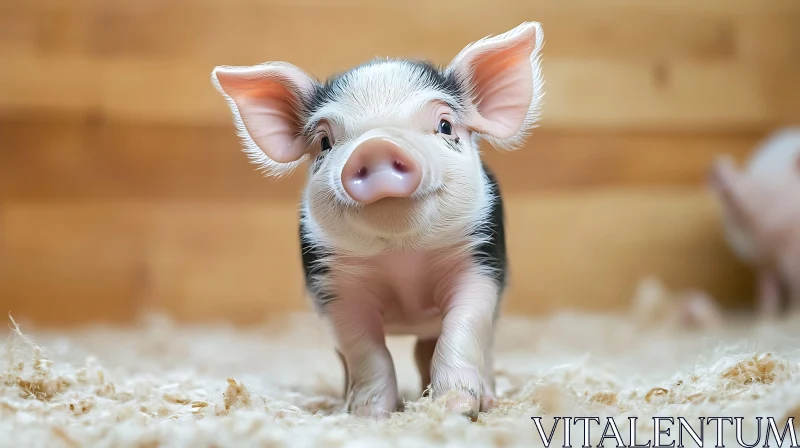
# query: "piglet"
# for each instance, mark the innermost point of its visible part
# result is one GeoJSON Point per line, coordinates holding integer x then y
{"type": "Point", "coordinates": [401, 223]}
{"type": "Point", "coordinates": [760, 207]}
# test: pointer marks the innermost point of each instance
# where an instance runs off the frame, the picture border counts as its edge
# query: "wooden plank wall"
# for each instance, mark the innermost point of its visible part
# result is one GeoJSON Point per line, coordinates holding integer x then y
{"type": "Point", "coordinates": [122, 186]}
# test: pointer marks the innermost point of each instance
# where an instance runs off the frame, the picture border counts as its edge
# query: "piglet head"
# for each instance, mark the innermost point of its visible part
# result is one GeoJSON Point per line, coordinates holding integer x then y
{"type": "Point", "coordinates": [392, 144]}
{"type": "Point", "coordinates": [729, 185]}
{"type": "Point", "coordinates": [757, 206]}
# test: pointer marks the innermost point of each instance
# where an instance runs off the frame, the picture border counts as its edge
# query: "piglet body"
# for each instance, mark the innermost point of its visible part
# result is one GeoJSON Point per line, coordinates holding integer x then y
{"type": "Point", "coordinates": [401, 223]}
{"type": "Point", "coordinates": [761, 216]}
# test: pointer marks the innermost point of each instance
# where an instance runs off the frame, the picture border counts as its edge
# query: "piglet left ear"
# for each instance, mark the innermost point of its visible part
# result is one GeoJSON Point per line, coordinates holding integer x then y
{"type": "Point", "coordinates": [503, 77]}
{"type": "Point", "coordinates": [266, 101]}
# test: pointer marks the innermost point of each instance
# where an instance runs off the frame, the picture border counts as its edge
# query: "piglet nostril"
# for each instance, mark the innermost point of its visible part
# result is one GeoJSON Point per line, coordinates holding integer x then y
{"type": "Point", "coordinates": [400, 166]}
{"type": "Point", "coordinates": [379, 168]}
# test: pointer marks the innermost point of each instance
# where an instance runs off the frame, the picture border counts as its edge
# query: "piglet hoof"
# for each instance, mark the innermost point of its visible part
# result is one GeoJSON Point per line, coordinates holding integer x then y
{"type": "Point", "coordinates": [488, 401]}
{"type": "Point", "coordinates": [369, 411]}
{"type": "Point", "coordinates": [463, 394]}
{"type": "Point", "coordinates": [372, 406]}
{"type": "Point", "coordinates": [464, 402]}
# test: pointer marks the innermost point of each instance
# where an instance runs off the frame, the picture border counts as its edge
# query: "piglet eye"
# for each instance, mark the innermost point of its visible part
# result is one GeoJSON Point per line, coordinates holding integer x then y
{"type": "Point", "coordinates": [445, 127]}
{"type": "Point", "coordinates": [325, 144]}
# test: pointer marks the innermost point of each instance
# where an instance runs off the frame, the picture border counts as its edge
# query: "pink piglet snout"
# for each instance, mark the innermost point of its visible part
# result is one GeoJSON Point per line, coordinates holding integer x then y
{"type": "Point", "coordinates": [379, 168]}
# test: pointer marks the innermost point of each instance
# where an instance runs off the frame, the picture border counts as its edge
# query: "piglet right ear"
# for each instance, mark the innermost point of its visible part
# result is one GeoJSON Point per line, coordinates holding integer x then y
{"type": "Point", "coordinates": [504, 81]}
{"type": "Point", "coordinates": [266, 101]}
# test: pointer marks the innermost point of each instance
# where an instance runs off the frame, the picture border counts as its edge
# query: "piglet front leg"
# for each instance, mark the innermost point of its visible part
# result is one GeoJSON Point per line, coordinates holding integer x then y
{"type": "Point", "coordinates": [370, 381]}
{"type": "Point", "coordinates": [790, 262]}
{"type": "Point", "coordinates": [461, 366]}
{"type": "Point", "coordinates": [769, 293]}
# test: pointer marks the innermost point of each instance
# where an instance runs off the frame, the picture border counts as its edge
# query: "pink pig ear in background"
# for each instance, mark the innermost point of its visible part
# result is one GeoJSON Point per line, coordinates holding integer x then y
{"type": "Point", "coordinates": [723, 174]}
{"type": "Point", "coordinates": [504, 77]}
{"type": "Point", "coordinates": [265, 101]}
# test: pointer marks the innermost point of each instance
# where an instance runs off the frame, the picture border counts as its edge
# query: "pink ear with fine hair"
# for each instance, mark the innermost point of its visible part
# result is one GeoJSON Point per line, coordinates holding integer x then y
{"type": "Point", "coordinates": [265, 101]}
{"type": "Point", "coordinates": [504, 77]}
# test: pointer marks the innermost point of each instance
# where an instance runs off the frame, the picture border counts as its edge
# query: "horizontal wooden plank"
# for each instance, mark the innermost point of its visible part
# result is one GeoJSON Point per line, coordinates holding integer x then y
{"type": "Point", "coordinates": [608, 64]}
{"type": "Point", "coordinates": [74, 161]}
{"type": "Point", "coordinates": [218, 31]}
{"type": "Point", "coordinates": [580, 93]}
{"type": "Point", "coordinates": [49, 160]}
{"type": "Point", "coordinates": [588, 251]}
{"type": "Point", "coordinates": [33, 84]}
{"type": "Point", "coordinates": [239, 260]}
{"type": "Point", "coordinates": [724, 7]}
{"type": "Point", "coordinates": [586, 161]}
{"type": "Point", "coordinates": [72, 262]}
{"type": "Point", "coordinates": [601, 94]}
{"type": "Point", "coordinates": [771, 41]}
{"type": "Point", "coordinates": [78, 262]}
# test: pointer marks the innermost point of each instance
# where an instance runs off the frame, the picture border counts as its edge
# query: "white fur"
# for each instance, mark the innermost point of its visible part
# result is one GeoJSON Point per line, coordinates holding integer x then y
{"type": "Point", "coordinates": [459, 362]}
{"type": "Point", "coordinates": [773, 161]}
{"type": "Point", "coordinates": [406, 265]}
{"type": "Point", "coordinates": [387, 99]}
{"type": "Point", "coordinates": [377, 90]}
{"type": "Point", "coordinates": [453, 200]}
{"type": "Point", "coordinates": [382, 90]}
{"type": "Point", "coordinates": [778, 151]}
{"type": "Point", "coordinates": [760, 212]}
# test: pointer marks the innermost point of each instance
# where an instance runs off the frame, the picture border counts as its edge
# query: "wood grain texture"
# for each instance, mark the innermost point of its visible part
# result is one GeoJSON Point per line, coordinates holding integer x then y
{"type": "Point", "coordinates": [608, 65]}
{"type": "Point", "coordinates": [73, 262]}
{"type": "Point", "coordinates": [122, 183]}
{"type": "Point", "coordinates": [46, 161]}
{"type": "Point", "coordinates": [589, 250]}
{"type": "Point", "coordinates": [68, 263]}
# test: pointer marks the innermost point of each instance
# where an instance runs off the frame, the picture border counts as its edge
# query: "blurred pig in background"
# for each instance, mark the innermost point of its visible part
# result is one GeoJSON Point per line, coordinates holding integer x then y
{"type": "Point", "coordinates": [760, 205]}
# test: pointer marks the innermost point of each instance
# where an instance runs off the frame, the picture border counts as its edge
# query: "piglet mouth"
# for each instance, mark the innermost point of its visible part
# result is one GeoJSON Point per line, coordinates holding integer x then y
{"type": "Point", "coordinates": [401, 203]}
{"type": "Point", "coordinates": [393, 216]}
{"type": "Point", "coordinates": [388, 217]}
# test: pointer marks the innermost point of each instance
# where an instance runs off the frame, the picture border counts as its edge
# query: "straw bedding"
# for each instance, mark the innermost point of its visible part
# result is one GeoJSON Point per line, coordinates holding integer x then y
{"type": "Point", "coordinates": [159, 383]}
